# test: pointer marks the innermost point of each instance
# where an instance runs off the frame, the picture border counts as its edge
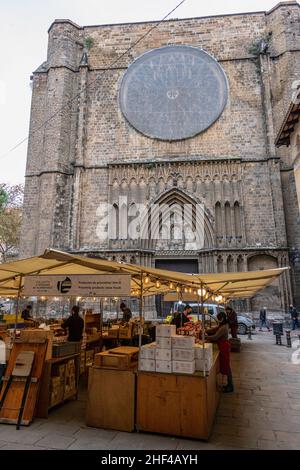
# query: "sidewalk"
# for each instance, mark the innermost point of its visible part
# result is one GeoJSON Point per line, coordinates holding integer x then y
{"type": "Point", "coordinates": [263, 413]}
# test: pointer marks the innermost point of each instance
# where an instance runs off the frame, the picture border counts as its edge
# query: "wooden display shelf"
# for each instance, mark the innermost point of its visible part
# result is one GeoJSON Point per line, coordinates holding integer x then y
{"type": "Point", "coordinates": [44, 402]}
{"type": "Point", "coordinates": [178, 404]}
{"type": "Point", "coordinates": [111, 399]}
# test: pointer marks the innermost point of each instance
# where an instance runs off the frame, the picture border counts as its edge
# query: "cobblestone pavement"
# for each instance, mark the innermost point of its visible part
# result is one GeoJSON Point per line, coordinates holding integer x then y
{"type": "Point", "coordinates": [262, 413]}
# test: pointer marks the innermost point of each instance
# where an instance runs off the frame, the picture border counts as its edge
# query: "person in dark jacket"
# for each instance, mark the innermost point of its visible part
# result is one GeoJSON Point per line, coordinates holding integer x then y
{"type": "Point", "coordinates": [26, 313]}
{"type": "Point", "coordinates": [180, 318]}
{"type": "Point", "coordinates": [74, 324]}
{"type": "Point", "coordinates": [232, 321]}
{"type": "Point", "coordinates": [26, 316]}
{"type": "Point", "coordinates": [263, 319]}
{"type": "Point", "coordinates": [294, 316]}
{"type": "Point", "coordinates": [126, 312]}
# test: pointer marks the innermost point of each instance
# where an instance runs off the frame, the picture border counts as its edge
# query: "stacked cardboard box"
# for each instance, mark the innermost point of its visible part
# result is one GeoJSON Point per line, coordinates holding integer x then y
{"type": "Point", "coordinates": [163, 354]}
{"type": "Point", "coordinates": [183, 354]}
{"type": "Point", "coordinates": [175, 353]}
{"type": "Point", "coordinates": [204, 356]}
{"type": "Point", "coordinates": [147, 358]}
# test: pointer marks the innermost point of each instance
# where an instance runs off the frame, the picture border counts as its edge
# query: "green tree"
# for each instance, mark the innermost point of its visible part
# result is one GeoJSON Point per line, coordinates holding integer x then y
{"type": "Point", "coordinates": [11, 200]}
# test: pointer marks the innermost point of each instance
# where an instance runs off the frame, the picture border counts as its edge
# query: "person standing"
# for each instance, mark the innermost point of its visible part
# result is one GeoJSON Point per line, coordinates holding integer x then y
{"type": "Point", "coordinates": [74, 324]}
{"type": "Point", "coordinates": [219, 335]}
{"type": "Point", "coordinates": [126, 312]}
{"type": "Point", "coordinates": [232, 321]}
{"type": "Point", "coordinates": [26, 316]}
{"type": "Point", "coordinates": [26, 313]}
{"type": "Point", "coordinates": [180, 318]}
{"type": "Point", "coordinates": [263, 318]}
{"type": "Point", "coordinates": [294, 316]}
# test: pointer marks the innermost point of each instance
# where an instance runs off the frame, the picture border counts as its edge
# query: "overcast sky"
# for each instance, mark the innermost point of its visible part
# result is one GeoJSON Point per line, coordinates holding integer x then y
{"type": "Point", "coordinates": [23, 45]}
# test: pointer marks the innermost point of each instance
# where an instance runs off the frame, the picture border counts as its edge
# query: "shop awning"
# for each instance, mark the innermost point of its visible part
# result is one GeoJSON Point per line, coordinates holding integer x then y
{"type": "Point", "coordinates": [155, 281]}
{"type": "Point", "coordinates": [240, 284]}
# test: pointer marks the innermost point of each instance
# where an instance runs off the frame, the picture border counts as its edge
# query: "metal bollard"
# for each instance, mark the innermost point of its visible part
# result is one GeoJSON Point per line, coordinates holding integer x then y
{"type": "Point", "coordinates": [249, 332]}
{"type": "Point", "coordinates": [288, 338]}
{"type": "Point", "coordinates": [278, 340]}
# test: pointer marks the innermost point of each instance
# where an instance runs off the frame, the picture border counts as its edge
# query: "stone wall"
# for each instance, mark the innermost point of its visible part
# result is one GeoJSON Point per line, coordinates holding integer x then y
{"type": "Point", "coordinates": [87, 154]}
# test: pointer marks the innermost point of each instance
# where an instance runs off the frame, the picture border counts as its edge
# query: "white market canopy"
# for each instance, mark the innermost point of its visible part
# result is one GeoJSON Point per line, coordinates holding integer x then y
{"type": "Point", "coordinates": [153, 281]}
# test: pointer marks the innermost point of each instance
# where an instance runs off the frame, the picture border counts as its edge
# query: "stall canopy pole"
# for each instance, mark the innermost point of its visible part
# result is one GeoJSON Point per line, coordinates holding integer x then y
{"type": "Point", "coordinates": [101, 315]}
{"type": "Point", "coordinates": [17, 306]}
{"type": "Point", "coordinates": [141, 316]}
{"type": "Point", "coordinates": [202, 331]}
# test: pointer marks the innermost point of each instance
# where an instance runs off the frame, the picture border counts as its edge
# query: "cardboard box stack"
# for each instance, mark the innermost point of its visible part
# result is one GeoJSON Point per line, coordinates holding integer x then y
{"type": "Point", "coordinates": [183, 354]}
{"type": "Point", "coordinates": [147, 358]}
{"type": "Point", "coordinates": [204, 359]}
{"type": "Point", "coordinates": [163, 354]}
{"type": "Point", "coordinates": [175, 353]}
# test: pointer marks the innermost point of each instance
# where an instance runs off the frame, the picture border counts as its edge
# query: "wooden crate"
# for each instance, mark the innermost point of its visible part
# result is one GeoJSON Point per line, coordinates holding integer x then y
{"type": "Point", "coordinates": [125, 332]}
{"type": "Point", "coordinates": [111, 399]}
{"type": "Point", "coordinates": [113, 333]}
{"type": "Point", "coordinates": [178, 405]}
{"type": "Point", "coordinates": [122, 357]}
{"type": "Point", "coordinates": [115, 361]}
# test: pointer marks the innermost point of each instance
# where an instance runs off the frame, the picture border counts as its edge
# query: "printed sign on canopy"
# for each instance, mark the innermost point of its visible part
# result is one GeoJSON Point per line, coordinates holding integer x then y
{"type": "Point", "coordinates": [86, 285]}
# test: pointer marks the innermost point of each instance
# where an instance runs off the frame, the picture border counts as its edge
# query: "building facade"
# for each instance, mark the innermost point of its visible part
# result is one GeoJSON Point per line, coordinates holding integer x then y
{"type": "Point", "coordinates": [124, 134]}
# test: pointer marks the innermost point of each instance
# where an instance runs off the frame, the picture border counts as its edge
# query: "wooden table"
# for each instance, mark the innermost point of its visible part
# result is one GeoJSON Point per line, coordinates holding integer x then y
{"type": "Point", "coordinates": [178, 404]}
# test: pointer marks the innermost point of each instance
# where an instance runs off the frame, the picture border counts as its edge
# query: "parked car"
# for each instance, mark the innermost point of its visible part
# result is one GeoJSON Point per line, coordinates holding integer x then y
{"type": "Point", "coordinates": [244, 321]}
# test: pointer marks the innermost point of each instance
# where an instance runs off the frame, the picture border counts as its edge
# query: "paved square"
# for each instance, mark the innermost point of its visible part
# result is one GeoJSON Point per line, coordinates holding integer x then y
{"type": "Point", "coordinates": [262, 413]}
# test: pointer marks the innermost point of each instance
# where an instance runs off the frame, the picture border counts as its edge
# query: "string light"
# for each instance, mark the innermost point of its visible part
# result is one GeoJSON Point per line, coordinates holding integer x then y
{"type": "Point", "coordinates": [147, 280]}
{"type": "Point", "coordinates": [201, 292]}
{"type": "Point", "coordinates": [190, 290]}
{"type": "Point", "coordinates": [178, 289]}
{"type": "Point", "coordinates": [157, 284]}
{"type": "Point", "coordinates": [171, 285]}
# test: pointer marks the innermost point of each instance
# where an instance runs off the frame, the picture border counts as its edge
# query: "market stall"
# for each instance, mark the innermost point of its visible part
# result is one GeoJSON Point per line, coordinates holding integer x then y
{"type": "Point", "coordinates": [166, 365]}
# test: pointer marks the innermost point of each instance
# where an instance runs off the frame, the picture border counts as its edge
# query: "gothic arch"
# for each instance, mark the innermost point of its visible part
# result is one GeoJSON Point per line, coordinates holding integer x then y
{"type": "Point", "coordinates": [176, 198]}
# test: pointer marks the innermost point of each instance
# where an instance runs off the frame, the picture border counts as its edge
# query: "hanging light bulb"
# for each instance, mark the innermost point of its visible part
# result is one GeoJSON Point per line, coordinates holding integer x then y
{"type": "Point", "coordinates": [195, 292]}
{"type": "Point", "coordinates": [185, 289]}
{"type": "Point", "coordinates": [206, 296]}
{"type": "Point", "coordinates": [201, 292]}
{"type": "Point", "coordinates": [190, 290]}
{"type": "Point", "coordinates": [147, 280]}
{"type": "Point", "coordinates": [157, 284]}
{"type": "Point", "coordinates": [178, 289]}
{"type": "Point", "coordinates": [171, 285]}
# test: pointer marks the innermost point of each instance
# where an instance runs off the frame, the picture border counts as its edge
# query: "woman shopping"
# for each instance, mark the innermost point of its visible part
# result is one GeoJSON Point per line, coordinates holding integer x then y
{"type": "Point", "coordinates": [219, 335]}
